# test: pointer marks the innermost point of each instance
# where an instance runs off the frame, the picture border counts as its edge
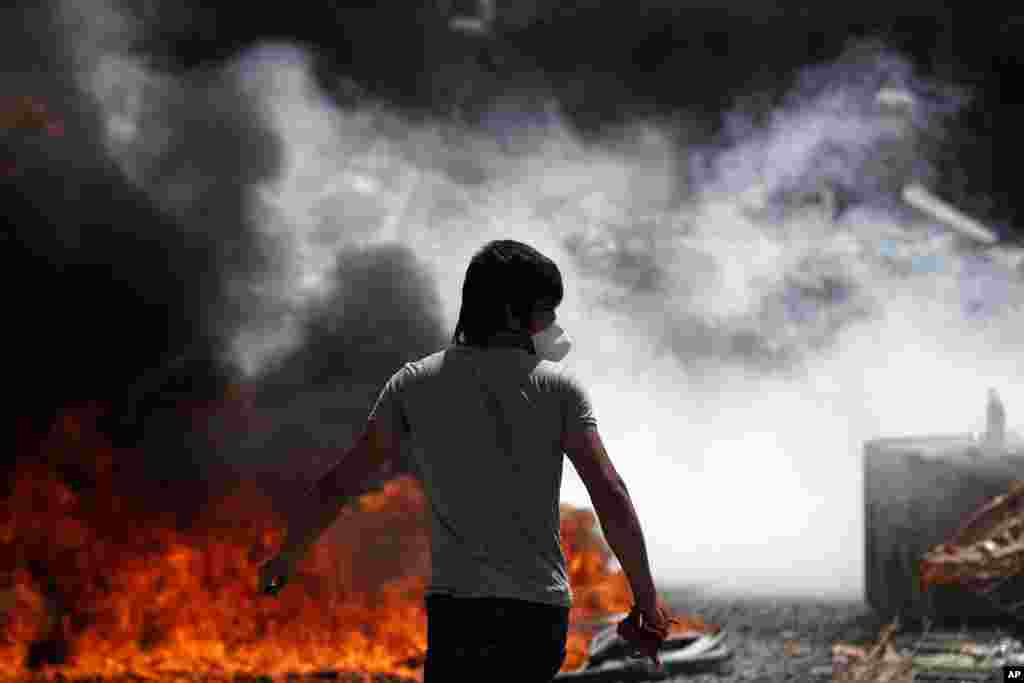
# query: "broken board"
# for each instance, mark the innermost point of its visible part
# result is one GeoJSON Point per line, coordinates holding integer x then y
{"type": "Point", "coordinates": [610, 657]}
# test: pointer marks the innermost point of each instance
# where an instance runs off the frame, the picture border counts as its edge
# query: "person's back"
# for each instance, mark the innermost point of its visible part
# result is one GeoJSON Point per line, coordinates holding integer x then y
{"type": "Point", "coordinates": [490, 418]}
{"type": "Point", "coordinates": [487, 426]}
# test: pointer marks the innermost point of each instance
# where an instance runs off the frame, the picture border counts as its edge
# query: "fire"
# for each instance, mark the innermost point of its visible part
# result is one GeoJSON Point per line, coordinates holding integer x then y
{"type": "Point", "coordinates": [28, 113]}
{"type": "Point", "coordinates": [93, 585]}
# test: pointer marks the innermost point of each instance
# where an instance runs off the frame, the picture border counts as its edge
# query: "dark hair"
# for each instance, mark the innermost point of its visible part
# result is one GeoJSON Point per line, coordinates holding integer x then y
{"type": "Point", "coordinates": [504, 272]}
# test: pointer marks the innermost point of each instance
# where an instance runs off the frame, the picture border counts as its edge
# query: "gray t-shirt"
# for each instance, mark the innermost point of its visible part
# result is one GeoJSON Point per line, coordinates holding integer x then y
{"type": "Point", "coordinates": [486, 427]}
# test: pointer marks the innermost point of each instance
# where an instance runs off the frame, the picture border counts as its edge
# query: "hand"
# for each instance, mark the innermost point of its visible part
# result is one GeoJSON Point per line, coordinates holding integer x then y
{"type": "Point", "coordinates": [646, 630]}
{"type": "Point", "coordinates": [274, 574]}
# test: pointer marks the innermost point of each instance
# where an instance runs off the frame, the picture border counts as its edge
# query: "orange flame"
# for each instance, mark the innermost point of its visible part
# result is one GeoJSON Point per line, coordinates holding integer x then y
{"type": "Point", "coordinates": [110, 596]}
{"type": "Point", "coordinates": [29, 114]}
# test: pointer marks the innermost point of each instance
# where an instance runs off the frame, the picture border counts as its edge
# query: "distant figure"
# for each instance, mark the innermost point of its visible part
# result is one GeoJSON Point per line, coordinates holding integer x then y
{"type": "Point", "coordinates": [995, 421]}
{"type": "Point", "coordinates": [491, 416]}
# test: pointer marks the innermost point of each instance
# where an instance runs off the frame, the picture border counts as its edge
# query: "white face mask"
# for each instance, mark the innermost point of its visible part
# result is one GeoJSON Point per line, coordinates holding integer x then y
{"type": "Point", "coordinates": [552, 343]}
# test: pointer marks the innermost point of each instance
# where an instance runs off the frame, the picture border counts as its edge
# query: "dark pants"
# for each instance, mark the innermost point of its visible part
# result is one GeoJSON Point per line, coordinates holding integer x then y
{"type": "Point", "coordinates": [493, 639]}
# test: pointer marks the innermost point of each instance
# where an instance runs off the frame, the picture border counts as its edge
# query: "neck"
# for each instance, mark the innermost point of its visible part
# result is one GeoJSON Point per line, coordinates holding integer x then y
{"type": "Point", "coordinates": [510, 338]}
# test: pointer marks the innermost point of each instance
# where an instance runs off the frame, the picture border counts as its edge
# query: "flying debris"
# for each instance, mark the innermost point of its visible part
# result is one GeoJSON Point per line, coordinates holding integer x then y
{"type": "Point", "coordinates": [895, 99]}
{"type": "Point", "coordinates": [471, 17]}
{"type": "Point", "coordinates": [920, 198]}
{"type": "Point", "coordinates": [897, 105]}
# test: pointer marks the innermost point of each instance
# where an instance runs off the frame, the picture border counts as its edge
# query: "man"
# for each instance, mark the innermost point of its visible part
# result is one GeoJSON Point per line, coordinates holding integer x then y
{"type": "Point", "coordinates": [492, 416]}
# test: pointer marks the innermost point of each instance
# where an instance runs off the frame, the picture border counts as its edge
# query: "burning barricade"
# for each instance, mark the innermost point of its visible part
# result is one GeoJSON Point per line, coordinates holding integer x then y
{"type": "Point", "coordinates": [95, 585]}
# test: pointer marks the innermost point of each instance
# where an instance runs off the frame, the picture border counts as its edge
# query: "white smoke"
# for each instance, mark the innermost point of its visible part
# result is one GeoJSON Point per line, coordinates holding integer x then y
{"type": "Point", "coordinates": [740, 343]}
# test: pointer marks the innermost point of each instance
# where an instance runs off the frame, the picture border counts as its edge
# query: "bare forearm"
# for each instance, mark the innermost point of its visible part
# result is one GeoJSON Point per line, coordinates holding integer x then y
{"type": "Point", "coordinates": [306, 524]}
{"type": "Point", "coordinates": [320, 507]}
{"type": "Point", "coordinates": [625, 537]}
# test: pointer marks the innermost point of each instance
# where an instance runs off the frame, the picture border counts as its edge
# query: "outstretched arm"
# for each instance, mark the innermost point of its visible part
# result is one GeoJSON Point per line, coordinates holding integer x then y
{"type": "Point", "coordinates": [373, 456]}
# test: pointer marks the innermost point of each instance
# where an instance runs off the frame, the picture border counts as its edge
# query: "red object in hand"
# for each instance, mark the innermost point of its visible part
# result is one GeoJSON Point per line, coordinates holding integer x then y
{"type": "Point", "coordinates": [646, 632]}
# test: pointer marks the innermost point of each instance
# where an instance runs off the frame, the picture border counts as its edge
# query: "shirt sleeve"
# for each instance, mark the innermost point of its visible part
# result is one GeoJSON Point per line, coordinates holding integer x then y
{"type": "Point", "coordinates": [577, 408]}
{"type": "Point", "coordinates": [389, 410]}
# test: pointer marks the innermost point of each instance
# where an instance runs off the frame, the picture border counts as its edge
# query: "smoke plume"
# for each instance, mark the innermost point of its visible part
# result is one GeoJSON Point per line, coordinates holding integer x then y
{"type": "Point", "coordinates": [748, 307]}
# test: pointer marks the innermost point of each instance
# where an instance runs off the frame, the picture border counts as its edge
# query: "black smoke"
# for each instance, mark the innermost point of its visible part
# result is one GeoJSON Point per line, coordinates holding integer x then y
{"type": "Point", "coordinates": [611, 62]}
{"type": "Point", "coordinates": [118, 297]}
{"type": "Point", "coordinates": [383, 311]}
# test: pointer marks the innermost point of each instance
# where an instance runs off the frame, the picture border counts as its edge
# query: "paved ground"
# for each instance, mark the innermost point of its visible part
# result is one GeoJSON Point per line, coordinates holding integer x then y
{"type": "Point", "coordinates": [775, 640]}
{"type": "Point", "coordinates": [778, 639]}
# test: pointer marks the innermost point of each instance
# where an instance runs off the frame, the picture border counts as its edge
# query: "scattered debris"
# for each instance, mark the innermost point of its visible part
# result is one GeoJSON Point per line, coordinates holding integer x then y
{"type": "Point", "coordinates": [794, 648]}
{"type": "Point", "coordinates": [931, 657]}
{"type": "Point", "coordinates": [879, 663]}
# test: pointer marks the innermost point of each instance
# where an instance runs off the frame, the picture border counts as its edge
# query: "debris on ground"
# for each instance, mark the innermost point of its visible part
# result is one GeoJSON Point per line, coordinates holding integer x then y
{"type": "Point", "coordinates": [927, 657]}
{"type": "Point", "coordinates": [692, 644]}
{"type": "Point", "coordinates": [876, 663]}
{"type": "Point", "coordinates": [794, 648]}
